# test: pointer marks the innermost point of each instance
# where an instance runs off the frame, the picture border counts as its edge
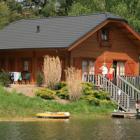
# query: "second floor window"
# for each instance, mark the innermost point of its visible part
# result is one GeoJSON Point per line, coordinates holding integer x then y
{"type": "Point", "coordinates": [104, 35]}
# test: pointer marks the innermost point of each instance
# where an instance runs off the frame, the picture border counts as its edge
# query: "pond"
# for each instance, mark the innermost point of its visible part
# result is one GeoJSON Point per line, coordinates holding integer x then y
{"type": "Point", "coordinates": [75, 129]}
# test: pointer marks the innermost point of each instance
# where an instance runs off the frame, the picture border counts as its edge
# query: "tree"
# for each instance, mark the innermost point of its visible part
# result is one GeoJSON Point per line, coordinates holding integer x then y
{"type": "Point", "coordinates": [78, 9]}
{"type": "Point", "coordinates": [4, 14]}
{"type": "Point", "coordinates": [49, 9]}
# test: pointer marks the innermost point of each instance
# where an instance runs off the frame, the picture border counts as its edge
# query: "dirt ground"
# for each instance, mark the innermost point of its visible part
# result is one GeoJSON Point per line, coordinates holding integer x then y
{"type": "Point", "coordinates": [28, 90]}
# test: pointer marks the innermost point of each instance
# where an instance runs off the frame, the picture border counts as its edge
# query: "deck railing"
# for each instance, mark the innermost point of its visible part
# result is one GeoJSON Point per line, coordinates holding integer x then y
{"type": "Point", "coordinates": [134, 80]}
{"type": "Point", "coordinates": [116, 94]}
{"type": "Point", "coordinates": [128, 88]}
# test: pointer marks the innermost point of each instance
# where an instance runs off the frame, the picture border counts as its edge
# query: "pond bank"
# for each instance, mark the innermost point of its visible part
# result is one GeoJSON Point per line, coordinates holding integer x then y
{"type": "Point", "coordinates": [13, 105]}
{"type": "Point", "coordinates": [73, 116]}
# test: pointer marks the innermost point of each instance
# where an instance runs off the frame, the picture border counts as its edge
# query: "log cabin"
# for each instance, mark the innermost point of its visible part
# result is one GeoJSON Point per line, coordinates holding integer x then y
{"type": "Point", "coordinates": [84, 42]}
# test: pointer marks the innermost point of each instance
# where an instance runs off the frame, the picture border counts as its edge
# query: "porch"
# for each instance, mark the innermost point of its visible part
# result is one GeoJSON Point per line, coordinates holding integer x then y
{"type": "Point", "coordinates": [23, 65]}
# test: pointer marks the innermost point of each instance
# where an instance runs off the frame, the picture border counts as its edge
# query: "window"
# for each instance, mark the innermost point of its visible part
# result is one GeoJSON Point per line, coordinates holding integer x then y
{"type": "Point", "coordinates": [105, 35]}
{"type": "Point", "coordinates": [26, 65]}
{"type": "Point", "coordinates": [120, 68]}
{"type": "Point", "coordinates": [87, 70]}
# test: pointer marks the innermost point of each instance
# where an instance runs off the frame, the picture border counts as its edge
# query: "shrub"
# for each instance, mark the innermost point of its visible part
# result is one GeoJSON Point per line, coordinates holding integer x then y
{"type": "Point", "coordinates": [101, 95]}
{"type": "Point", "coordinates": [88, 85]}
{"type": "Point", "coordinates": [4, 78]}
{"type": "Point", "coordinates": [73, 83]}
{"type": "Point", "coordinates": [60, 85]}
{"type": "Point", "coordinates": [87, 88]}
{"type": "Point", "coordinates": [92, 100]}
{"type": "Point", "coordinates": [52, 71]}
{"type": "Point", "coordinates": [63, 93]}
{"type": "Point", "coordinates": [46, 93]}
{"type": "Point", "coordinates": [39, 78]}
{"type": "Point", "coordinates": [108, 103]}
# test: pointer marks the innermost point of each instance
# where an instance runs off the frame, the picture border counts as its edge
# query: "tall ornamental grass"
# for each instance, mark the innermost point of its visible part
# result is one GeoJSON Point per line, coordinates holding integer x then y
{"type": "Point", "coordinates": [52, 71]}
{"type": "Point", "coordinates": [73, 83]}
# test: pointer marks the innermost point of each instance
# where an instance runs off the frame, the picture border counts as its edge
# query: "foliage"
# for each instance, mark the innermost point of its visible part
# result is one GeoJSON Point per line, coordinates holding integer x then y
{"type": "Point", "coordinates": [39, 78]}
{"type": "Point", "coordinates": [4, 14]}
{"type": "Point", "coordinates": [73, 83]}
{"type": "Point", "coordinates": [87, 88]}
{"type": "Point", "coordinates": [13, 105]}
{"type": "Point", "coordinates": [60, 85]}
{"type": "Point", "coordinates": [78, 9]}
{"type": "Point", "coordinates": [4, 78]}
{"type": "Point", "coordinates": [93, 96]}
{"type": "Point", "coordinates": [49, 9]}
{"type": "Point", "coordinates": [46, 93]}
{"type": "Point", "coordinates": [92, 100]}
{"type": "Point", "coordinates": [63, 93]}
{"type": "Point", "coordinates": [52, 71]}
{"type": "Point", "coordinates": [10, 10]}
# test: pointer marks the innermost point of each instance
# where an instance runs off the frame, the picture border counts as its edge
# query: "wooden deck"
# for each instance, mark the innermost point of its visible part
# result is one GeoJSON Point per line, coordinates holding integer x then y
{"type": "Point", "coordinates": [129, 115]}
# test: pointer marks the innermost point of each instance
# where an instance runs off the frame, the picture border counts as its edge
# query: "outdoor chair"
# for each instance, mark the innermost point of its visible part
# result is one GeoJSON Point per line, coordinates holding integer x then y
{"type": "Point", "coordinates": [26, 77]}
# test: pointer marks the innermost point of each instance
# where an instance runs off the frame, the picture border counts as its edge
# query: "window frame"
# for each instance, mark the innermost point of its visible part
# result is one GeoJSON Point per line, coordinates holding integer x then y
{"type": "Point", "coordinates": [105, 34]}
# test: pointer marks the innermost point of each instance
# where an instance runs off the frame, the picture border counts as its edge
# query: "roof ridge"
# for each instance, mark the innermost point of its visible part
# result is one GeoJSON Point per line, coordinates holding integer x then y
{"type": "Point", "coordinates": [54, 17]}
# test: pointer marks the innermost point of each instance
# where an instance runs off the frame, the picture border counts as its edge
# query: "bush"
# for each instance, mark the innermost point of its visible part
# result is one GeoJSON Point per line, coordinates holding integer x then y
{"type": "Point", "coordinates": [94, 97]}
{"type": "Point", "coordinates": [101, 95]}
{"type": "Point", "coordinates": [108, 103]}
{"type": "Point", "coordinates": [46, 93]}
{"type": "Point", "coordinates": [92, 100]}
{"type": "Point", "coordinates": [39, 78]}
{"type": "Point", "coordinates": [87, 88]}
{"type": "Point", "coordinates": [60, 85]}
{"type": "Point", "coordinates": [4, 78]}
{"type": "Point", "coordinates": [63, 93]}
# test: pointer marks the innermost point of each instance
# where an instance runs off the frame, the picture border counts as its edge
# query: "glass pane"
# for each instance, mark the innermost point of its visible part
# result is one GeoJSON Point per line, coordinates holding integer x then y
{"type": "Point", "coordinates": [120, 68]}
{"type": "Point", "coordinates": [84, 66]}
{"type": "Point", "coordinates": [26, 65]}
{"type": "Point", "coordinates": [84, 71]}
{"type": "Point", "coordinates": [91, 68]}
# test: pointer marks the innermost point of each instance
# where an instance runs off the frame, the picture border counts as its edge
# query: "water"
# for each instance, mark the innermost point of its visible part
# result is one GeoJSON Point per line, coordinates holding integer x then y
{"type": "Point", "coordinates": [75, 129]}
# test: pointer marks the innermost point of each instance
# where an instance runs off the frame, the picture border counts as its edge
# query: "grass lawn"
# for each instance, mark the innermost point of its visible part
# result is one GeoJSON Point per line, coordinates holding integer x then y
{"type": "Point", "coordinates": [17, 105]}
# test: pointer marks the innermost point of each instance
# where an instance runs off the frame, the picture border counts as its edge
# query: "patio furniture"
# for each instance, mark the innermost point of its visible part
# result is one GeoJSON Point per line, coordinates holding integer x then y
{"type": "Point", "coordinates": [15, 77]}
{"type": "Point", "coordinates": [26, 76]}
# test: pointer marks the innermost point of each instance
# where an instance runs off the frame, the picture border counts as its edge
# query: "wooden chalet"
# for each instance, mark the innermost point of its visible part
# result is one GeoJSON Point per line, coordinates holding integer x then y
{"type": "Point", "coordinates": [85, 42]}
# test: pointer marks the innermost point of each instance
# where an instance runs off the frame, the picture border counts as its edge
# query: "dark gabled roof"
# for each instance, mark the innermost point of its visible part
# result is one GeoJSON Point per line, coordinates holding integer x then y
{"type": "Point", "coordinates": [58, 32]}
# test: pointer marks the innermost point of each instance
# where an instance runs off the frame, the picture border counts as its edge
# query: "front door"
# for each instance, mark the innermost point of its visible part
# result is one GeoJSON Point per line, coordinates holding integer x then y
{"type": "Point", "coordinates": [119, 67]}
{"type": "Point", "coordinates": [88, 70]}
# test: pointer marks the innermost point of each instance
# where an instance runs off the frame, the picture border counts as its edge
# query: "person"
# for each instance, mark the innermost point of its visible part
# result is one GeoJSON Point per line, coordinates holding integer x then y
{"type": "Point", "coordinates": [110, 75]}
{"type": "Point", "coordinates": [104, 70]}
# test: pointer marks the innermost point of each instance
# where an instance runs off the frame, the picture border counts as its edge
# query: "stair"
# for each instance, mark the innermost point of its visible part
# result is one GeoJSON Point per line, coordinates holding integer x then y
{"type": "Point", "coordinates": [132, 105]}
{"type": "Point", "coordinates": [116, 94]}
{"type": "Point", "coordinates": [124, 93]}
{"type": "Point", "coordinates": [128, 88]}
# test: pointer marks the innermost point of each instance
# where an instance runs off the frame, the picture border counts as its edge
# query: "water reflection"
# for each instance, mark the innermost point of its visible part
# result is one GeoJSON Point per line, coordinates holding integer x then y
{"type": "Point", "coordinates": [75, 129]}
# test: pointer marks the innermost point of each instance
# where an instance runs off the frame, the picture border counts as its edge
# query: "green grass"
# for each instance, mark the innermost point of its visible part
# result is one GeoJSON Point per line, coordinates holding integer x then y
{"type": "Point", "coordinates": [18, 105]}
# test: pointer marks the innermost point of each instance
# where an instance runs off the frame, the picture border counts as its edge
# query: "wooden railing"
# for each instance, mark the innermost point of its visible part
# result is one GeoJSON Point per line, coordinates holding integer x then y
{"type": "Point", "coordinates": [128, 88]}
{"type": "Point", "coordinates": [134, 80]}
{"type": "Point", "coordinates": [116, 94]}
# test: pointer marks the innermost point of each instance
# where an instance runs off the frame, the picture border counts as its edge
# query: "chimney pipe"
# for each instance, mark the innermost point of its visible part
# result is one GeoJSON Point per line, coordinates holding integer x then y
{"type": "Point", "coordinates": [37, 29]}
